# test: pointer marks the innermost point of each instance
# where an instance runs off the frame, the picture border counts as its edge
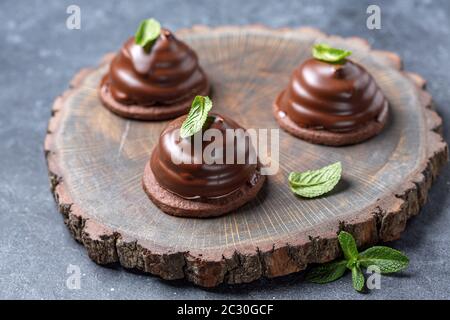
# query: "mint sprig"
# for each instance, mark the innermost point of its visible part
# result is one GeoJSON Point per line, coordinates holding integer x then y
{"type": "Point", "coordinates": [147, 33]}
{"type": "Point", "coordinates": [196, 117]}
{"type": "Point", "coordinates": [314, 183]}
{"type": "Point", "coordinates": [326, 53]}
{"type": "Point", "coordinates": [388, 260]}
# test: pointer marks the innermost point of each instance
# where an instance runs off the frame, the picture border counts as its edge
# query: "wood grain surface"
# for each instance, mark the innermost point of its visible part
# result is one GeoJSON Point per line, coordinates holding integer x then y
{"type": "Point", "coordinates": [96, 161]}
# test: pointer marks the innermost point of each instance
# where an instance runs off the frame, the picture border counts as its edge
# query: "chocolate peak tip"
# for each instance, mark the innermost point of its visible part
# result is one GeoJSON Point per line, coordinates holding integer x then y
{"type": "Point", "coordinates": [166, 33]}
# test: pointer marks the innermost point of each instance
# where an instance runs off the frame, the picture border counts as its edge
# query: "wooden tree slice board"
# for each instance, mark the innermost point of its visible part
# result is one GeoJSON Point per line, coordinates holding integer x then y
{"type": "Point", "coordinates": [96, 161]}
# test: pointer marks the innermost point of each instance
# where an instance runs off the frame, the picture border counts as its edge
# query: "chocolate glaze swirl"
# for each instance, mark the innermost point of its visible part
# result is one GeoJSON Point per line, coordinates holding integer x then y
{"type": "Point", "coordinates": [334, 97]}
{"type": "Point", "coordinates": [167, 74]}
{"type": "Point", "coordinates": [190, 180]}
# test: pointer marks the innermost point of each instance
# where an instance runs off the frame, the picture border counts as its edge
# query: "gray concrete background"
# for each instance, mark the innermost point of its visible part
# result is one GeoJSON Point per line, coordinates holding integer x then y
{"type": "Point", "coordinates": [38, 57]}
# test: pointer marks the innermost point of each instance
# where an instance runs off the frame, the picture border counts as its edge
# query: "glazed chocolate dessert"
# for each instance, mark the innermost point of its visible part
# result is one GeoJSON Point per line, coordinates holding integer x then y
{"type": "Point", "coordinates": [155, 80]}
{"type": "Point", "coordinates": [181, 183]}
{"type": "Point", "coordinates": [332, 103]}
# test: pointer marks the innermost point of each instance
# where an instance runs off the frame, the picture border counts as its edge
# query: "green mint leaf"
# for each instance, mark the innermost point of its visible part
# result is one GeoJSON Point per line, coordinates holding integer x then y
{"type": "Point", "coordinates": [196, 116]}
{"type": "Point", "coordinates": [147, 33]}
{"type": "Point", "coordinates": [387, 259]}
{"type": "Point", "coordinates": [351, 263]}
{"type": "Point", "coordinates": [348, 246]}
{"type": "Point", "coordinates": [357, 278]}
{"type": "Point", "coordinates": [327, 272]}
{"type": "Point", "coordinates": [326, 53]}
{"type": "Point", "coordinates": [314, 183]}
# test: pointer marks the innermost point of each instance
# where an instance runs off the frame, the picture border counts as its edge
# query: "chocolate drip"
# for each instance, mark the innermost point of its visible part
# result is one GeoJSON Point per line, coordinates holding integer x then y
{"type": "Point", "coordinates": [335, 97]}
{"type": "Point", "coordinates": [191, 180]}
{"type": "Point", "coordinates": [168, 73]}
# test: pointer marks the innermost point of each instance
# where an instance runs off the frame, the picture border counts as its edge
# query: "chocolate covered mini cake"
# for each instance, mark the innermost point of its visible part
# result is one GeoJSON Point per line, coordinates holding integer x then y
{"type": "Point", "coordinates": [154, 76]}
{"type": "Point", "coordinates": [331, 100]}
{"type": "Point", "coordinates": [182, 183]}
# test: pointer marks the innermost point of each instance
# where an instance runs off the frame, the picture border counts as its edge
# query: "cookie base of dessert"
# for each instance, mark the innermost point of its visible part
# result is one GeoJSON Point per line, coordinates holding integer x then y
{"type": "Point", "coordinates": [156, 112]}
{"type": "Point", "coordinates": [175, 205]}
{"type": "Point", "coordinates": [330, 138]}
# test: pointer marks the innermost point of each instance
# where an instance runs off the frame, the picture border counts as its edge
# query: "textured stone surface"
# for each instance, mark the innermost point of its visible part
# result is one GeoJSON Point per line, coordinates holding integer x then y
{"type": "Point", "coordinates": [38, 57]}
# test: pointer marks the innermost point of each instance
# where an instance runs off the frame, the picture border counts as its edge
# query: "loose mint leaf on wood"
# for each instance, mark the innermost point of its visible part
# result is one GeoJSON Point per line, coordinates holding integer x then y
{"type": "Point", "coordinates": [387, 259]}
{"type": "Point", "coordinates": [327, 272]}
{"type": "Point", "coordinates": [147, 33]}
{"type": "Point", "coordinates": [196, 117]}
{"type": "Point", "coordinates": [348, 246]}
{"type": "Point", "coordinates": [357, 278]}
{"type": "Point", "coordinates": [314, 183]}
{"type": "Point", "coordinates": [326, 53]}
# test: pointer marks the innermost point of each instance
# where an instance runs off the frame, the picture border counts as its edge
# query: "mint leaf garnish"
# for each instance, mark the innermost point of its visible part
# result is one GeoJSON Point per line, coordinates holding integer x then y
{"type": "Point", "coordinates": [326, 53]}
{"type": "Point", "coordinates": [314, 183]}
{"type": "Point", "coordinates": [327, 272]}
{"type": "Point", "coordinates": [357, 278]}
{"type": "Point", "coordinates": [348, 246]}
{"type": "Point", "coordinates": [387, 259]}
{"type": "Point", "coordinates": [196, 117]}
{"type": "Point", "coordinates": [147, 33]}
